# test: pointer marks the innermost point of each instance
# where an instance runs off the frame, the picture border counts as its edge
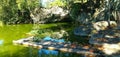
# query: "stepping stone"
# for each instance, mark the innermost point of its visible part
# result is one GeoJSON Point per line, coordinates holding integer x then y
{"type": "Point", "coordinates": [106, 36]}
{"type": "Point", "coordinates": [82, 31]}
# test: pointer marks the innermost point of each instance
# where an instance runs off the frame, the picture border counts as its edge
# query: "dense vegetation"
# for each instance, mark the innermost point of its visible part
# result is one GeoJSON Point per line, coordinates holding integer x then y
{"type": "Point", "coordinates": [18, 11]}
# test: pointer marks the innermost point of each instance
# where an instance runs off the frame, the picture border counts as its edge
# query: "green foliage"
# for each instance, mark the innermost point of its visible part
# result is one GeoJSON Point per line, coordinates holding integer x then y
{"type": "Point", "coordinates": [58, 3]}
{"type": "Point", "coordinates": [8, 10]}
{"type": "Point", "coordinates": [30, 4]}
{"type": "Point", "coordinates": [75, 10]}
{"type": "Point", "coordinates": [94, 10]}
{"type": "Point", "coordinates": [16, 11]}
{"type": "Point", "coordinates": [81, 10]}
{"type": "Point", "coordinates": [51, 3]}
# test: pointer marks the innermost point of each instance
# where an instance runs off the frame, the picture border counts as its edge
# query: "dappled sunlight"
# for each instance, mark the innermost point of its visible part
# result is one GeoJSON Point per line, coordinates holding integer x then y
{"type": "Point", "coordinates": [55, 44]}
{"type": "Point", "coordinates": [103, 25]}
{"type": "Point", "coordinates": [111, 48]}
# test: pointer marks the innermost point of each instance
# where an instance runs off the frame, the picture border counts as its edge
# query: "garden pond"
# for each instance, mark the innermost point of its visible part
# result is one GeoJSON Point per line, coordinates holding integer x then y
{"type": "Point", "coordinates": [8, 33]}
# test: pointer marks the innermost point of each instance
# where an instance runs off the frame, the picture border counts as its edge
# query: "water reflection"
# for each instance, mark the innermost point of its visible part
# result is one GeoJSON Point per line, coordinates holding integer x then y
{"type": "Point", "coordinates": [52, 53]}
{"type": "Point", "coordinates": [47, 52]}
{"type": "Point", "coordinates": [8, 33]}
{"type": "Point", "coordinates": [1, 42]}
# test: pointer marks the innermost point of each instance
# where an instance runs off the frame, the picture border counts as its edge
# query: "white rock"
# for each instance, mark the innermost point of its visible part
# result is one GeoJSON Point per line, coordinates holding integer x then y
{"type": "Point", "coordinates": [111, 48]}
{"type": "Point", "coordinates": [102, 25]}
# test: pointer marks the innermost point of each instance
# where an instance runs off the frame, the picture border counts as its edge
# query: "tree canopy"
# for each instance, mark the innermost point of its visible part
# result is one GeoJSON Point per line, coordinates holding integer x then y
{"type": "Point", "coordinates": [18, 11]}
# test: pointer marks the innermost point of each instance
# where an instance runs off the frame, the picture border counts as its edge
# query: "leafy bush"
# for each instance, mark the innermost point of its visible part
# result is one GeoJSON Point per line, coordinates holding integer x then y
{"type": "Point", "coordinates": [58, 3]}
{"type": "Point", "coordinates": [16, 11]}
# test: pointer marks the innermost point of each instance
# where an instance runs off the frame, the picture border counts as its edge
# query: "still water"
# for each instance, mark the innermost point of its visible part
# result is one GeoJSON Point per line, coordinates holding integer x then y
{"type": "Point", "coordinates": [8, 33]}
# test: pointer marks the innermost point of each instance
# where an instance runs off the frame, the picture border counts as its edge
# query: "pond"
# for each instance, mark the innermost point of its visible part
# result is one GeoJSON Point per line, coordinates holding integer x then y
{"type": "Point", "coordinates": [8, 33]}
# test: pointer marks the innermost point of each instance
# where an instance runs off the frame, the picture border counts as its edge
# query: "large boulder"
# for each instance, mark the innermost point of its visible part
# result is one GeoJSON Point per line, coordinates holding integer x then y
{"type": "Point", "coordinates": [82, 31]}
{"type": "Point", "coordinates": [111, 36]}
{"type": "Point", "coordinates": [54, 14]}
{"type": "Point", "coordinates": [109, 40]}
{"type": "Point", "coordinates": [103, 25]}
{"type": "Point", "coordinates": [111, 49]}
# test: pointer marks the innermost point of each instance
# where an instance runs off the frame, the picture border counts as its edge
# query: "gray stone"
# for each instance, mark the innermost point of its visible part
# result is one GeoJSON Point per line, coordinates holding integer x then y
{"type": "Point", "coordinates": [43, 15]}
{"type": "Point", "coordinates": [106, 36]}
{"type": "Point", "coordinates": [82, 31]}
{"type": "Point", "coordinates": [103, 25]}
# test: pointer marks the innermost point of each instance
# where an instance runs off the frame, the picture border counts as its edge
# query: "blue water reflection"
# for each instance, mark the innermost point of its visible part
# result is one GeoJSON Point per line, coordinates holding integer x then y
{"type": "Point", "coordinates": [47, 52]}
{"type": "Point", "coordinates": [50, 52]}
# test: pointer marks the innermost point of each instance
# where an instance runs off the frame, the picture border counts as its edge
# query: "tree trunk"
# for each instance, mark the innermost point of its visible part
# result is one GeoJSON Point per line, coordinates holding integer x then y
{"type": "Point", "coordinates": [118, 18]}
